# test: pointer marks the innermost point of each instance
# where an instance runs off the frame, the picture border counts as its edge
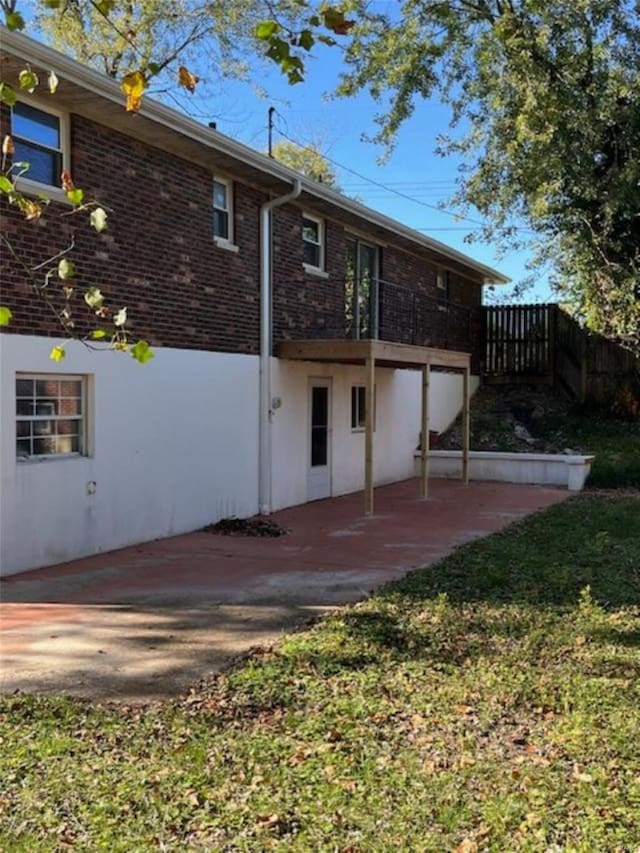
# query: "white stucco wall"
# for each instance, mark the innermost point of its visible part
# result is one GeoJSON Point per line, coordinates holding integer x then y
{"type": "Point", "coordinates": [397, 424]}
{"type": "Point", "coordinates": [174, 447]}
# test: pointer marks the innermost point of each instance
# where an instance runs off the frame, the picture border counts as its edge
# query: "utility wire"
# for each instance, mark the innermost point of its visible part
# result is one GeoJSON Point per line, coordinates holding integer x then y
{"type": "Point", "coordinates": [382, 186]}
{"type": "Point", "coordinates": [389, 188]}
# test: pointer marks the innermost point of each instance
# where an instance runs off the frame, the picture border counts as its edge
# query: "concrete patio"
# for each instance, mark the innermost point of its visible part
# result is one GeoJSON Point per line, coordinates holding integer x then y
{"type": "Point", "coordinates": [143, 623]}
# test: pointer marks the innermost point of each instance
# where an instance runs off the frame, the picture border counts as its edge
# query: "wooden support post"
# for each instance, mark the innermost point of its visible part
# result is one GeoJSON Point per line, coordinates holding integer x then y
{"type": "Point", "coordinates": [370, 369]}
{"type": "Point", "coordinates": [466, 405]}
{"type": "Point", "coordinates": [424, 433]}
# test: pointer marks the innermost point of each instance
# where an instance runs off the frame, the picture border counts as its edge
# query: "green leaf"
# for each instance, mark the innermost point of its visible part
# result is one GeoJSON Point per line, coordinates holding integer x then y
{"type": "Point", "coordinates": [75, 196]}
{"type": "Point", "coordinates": [93, 297]}
{"type": "Point", "coordinates": [105, 6]}
{"type": "Point", "coordinates": [98, 219]}
{"type": "Point", "coordinates": [306, 39]}
{"type": "Point", "coordinates": [265, 29]}
{"type": "Point", "coordinates": [28, 80]}
{"type": "Point", "coordinates": [7, 95]}
{"type": "Point", "coordinates": [52, 4]}
{"type": "Point", "coordinates": [5, 184]}
{"type": "Point", "coordinates": [14, 21]}
{"type": "Point", "coordinates": [142, 352]}
{"type": "Point", "coordinates": [98, 334]}
{"type": "Point", "coordinates": [278, 50]}
{"type": "Point", "coordinates": [57, 353]}
{"type": "Point", "coordinates": [66, 269]}
{"type": "Point", "coordinates": [121, 317]}
{"type": "Point", "coordinates": [5, 315]}
{"type": "Point", "coordinates": [53, 82]}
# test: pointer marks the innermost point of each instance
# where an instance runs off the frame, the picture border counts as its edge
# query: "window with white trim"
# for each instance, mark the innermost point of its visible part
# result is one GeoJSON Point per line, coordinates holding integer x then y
{"type": "Point", "coordinates": [359, 407]}
{"type": "Point", "coordinates": [442, 281]}
{"type": "Point", "coordinates": [223, 210]}
{"type": "Point", "coordinates": [50, 415]}
{"type": "Point", "coordinates": [39, 137]}
{"type": "Point", "coordinates": [313, 241]}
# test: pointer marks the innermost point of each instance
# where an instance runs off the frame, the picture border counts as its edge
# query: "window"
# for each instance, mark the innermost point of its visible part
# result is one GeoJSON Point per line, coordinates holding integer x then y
{"type": "Point", "coordinates": [359, 407]}
{"type": "Point", "coordinates": [223, 210]}
{"type": "Point", "coordinates": [442, 281]}
{"type": "Point", "coordinates": [50, 416]}
{"type": "Point", "coordinates": [313, 240]}
{"type": "Point", "coordinates": [39, 139]}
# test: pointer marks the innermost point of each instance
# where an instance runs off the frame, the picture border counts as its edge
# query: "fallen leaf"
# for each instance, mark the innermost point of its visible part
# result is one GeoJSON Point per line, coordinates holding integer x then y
{"type": "Point", "coordinates": [467, 846]}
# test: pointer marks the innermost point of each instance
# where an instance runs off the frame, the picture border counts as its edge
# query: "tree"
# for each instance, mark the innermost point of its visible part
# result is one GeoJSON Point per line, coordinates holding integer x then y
{"type": "Point", "coordinates": [103, 32]}
{"type": "Point", "coordinates": [307, 159]}
{"type": "Point", "coordinates": [120, 37]}
{"type": "Point", "coordinates": [545, 101]}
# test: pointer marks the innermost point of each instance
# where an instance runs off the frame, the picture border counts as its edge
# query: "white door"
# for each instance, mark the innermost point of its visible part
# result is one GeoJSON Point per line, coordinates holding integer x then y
{"type": "Point", "coordinates": [319, 458]}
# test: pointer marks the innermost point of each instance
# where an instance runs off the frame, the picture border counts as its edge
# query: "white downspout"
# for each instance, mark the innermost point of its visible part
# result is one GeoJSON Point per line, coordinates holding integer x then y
{"type": "Point", "coordinates": [266, 313]}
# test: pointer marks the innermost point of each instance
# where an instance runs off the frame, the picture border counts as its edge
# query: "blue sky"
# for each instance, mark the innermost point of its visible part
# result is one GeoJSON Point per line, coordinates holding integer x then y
{"type": "Point", "coordinates": [307, 115]}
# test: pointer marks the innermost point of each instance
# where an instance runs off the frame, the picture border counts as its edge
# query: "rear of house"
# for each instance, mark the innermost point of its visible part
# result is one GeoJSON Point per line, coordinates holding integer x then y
{"type": "Point", "coordinates": [252, 402]}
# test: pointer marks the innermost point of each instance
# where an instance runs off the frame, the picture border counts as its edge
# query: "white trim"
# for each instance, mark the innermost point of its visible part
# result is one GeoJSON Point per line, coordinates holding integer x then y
{"type": "Point", "coordinates": [91, 80]}
{"type": "Point", "coordinates": [358, 429]}
{"type": "Point", "coordinates": [227, 183]}
{"type": "Point", "coordinates": [82, 418]}
{"type": "Point", "coordinates": [221, 243]}
{"type": "Point", "coordinates": [327, 468]}
{"type": "Point", "coordinates": [309, 270]}
{"type": "Point", "coordinates": [28, 185]}
{"type": "Point", "coordinates": [312, 268]}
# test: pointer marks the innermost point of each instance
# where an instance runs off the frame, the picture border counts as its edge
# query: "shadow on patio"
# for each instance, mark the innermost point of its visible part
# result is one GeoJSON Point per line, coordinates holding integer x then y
{"type": "Point", "coordinates": [144, 622]}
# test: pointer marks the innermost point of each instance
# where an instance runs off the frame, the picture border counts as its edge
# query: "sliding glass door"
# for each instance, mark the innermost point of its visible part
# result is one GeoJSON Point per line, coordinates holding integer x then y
{"type": "Point", "coordinates": [361, 290]}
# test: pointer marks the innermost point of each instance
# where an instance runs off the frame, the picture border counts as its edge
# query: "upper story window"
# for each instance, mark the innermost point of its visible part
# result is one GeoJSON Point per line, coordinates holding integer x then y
{"type": "Point", "coordinates": [223, 210]}
{"type": "Point", "coordinates": [50, 415]}
{"type": "Point", "coordinates": [39, 137]}
{"type": "Point", "coordinates": [313, 242]}
{"type": "Point", "coordinates": [442, 282]}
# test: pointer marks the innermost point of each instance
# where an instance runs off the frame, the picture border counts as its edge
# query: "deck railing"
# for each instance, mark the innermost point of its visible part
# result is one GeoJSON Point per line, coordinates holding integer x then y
{"type": "Point", "coordinates": [384, 311]}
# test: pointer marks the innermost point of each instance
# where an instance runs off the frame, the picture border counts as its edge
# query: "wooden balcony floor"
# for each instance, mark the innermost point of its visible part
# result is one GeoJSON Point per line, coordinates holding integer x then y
{"type": "Point", "coordinates": [385, 354]}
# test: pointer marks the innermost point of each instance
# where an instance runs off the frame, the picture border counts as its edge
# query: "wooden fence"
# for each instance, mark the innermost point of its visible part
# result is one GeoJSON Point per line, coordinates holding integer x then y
{"type": "Point", "coordinates": [517, 342]}
{"type": "Point", "coordinates": [542, 343]}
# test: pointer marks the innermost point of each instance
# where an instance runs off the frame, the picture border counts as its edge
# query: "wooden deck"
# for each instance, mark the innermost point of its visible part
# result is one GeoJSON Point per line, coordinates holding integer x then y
{"type": "Point", "coordinates": [385, 354]}
{"type": "Point", "coordinates": [374, 354]}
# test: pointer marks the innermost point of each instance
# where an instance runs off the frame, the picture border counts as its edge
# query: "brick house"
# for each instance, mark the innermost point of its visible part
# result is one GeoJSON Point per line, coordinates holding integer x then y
{"type": "Point", "coordinates": [277, 308]}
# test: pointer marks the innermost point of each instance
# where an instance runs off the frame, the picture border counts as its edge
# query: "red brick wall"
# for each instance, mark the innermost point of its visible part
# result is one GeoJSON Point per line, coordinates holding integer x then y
{"type": "Point", "coordinates": [159, 259]}
{"type": "Point", "coordinates": [157, 256]}
{"type": "Point", "coordinates": [306, 305]}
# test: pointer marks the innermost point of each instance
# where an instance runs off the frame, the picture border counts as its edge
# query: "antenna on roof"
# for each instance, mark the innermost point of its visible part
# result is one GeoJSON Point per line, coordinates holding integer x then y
{"type": "Point", "coordinates": [270, 126]}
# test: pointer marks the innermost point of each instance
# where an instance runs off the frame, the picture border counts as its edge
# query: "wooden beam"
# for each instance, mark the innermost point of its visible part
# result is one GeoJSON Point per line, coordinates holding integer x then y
{"type": "Point", "coordinates": [386, 352]}
{"type": "Point", "coordinates": [424, 432]}
{"type": "Point", "coordinates": [466, 411]}
{"type": "Point", "coordinates": [370, 371]}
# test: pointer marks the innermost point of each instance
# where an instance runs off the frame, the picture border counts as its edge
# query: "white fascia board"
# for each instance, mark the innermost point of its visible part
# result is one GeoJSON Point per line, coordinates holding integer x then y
{"type": "Point", "coordinates": [32, 51]}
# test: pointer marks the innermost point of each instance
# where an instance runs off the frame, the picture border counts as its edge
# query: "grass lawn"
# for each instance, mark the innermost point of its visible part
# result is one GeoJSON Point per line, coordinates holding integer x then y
{"type": "Point", "coordinates": [489, 703]}
{"type": "Point", "coordinates": [616, 444]}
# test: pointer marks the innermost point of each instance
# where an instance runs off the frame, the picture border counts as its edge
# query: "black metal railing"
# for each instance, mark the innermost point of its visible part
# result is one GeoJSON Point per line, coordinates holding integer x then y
{"type": "Point", "coordinates": [379, 310]}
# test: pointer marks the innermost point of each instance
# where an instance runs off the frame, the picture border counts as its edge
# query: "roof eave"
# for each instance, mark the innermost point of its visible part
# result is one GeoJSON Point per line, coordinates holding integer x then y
{"type": "Point", "coordinates": [32, 51]}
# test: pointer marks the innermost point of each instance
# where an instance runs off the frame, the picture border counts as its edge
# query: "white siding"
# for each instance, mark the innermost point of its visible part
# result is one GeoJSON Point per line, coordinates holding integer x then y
{"type": "Point", "coordinates": [397, 424]}
{"type": "Point", "coordinates": [174, 447]}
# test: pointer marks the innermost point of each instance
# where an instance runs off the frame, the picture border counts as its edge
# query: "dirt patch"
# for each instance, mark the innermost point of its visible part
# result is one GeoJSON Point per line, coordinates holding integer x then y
{"type": "Point", "coordinates": [257, 527]}
{"type": "Point", "coordinates": [515, 419]}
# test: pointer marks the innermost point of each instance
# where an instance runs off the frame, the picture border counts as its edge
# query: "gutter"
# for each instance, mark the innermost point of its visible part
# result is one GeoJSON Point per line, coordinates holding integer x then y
{"type": "Point", "coordinates": [266, 336]}
{"type": "Point", "coordinates": [92, 81]}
